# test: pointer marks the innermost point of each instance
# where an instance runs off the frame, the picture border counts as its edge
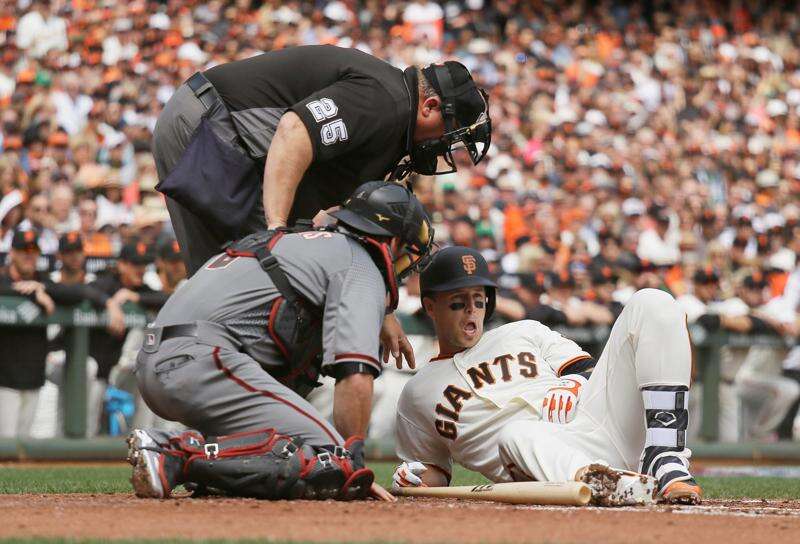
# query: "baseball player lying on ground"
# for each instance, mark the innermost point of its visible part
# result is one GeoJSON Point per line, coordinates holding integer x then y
{"type": "Point", "coordinates": [235, 350]}
{"type": "Point", "coordinates": [521, 402]}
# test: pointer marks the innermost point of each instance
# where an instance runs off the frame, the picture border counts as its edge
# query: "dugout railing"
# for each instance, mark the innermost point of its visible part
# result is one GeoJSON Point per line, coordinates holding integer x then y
{"type": "Point", "coordinates": [78, 320]}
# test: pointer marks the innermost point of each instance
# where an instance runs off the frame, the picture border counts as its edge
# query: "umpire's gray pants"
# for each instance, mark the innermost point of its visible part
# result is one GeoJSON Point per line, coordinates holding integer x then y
{"type": "Point", "coordinates": [220, 391]}
{"type": "Point", "coordinates": [176, 124]}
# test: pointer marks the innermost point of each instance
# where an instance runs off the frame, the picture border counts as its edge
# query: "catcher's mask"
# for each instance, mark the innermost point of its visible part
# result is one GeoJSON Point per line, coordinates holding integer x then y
{"type": "Point", "coordinates": [465, 110]}
{"type": "Point", "coordinates": [393, 226]}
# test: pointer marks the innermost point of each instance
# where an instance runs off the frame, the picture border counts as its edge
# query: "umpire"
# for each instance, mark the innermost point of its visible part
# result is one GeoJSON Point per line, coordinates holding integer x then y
{"type": "Point", "coordinates": [308, 124]}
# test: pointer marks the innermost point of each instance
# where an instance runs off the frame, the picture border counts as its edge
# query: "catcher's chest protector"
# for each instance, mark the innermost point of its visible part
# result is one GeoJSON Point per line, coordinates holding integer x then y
{"type": "Point", "coordinates": [295, 325]}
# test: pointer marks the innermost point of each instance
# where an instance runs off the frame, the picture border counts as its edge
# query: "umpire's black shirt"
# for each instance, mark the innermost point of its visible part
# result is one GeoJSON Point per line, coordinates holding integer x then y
{"type": "Point", "coordinates": [356, 107]}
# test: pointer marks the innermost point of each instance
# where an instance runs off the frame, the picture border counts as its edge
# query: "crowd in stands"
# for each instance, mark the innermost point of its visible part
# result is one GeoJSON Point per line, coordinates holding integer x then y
{"type": "Point", "coordinates": [635, 144]}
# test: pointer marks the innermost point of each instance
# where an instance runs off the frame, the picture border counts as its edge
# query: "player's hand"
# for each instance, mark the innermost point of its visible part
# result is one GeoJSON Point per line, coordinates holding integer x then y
{"type": "Point", "coordinates": [379, 493]}
{"type": "Point", "coordinates": [561, 402]}
{"type": "Point", "coordinates": [394, 341]}
{"type": "Point", "coordinates": [408, 475]}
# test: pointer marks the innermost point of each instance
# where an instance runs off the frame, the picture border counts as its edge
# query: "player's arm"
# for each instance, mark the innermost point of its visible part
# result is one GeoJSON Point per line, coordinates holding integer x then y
{"type": "Point", "coordinates": [352, 401]}
{"type": "Point", "coordinates": [288, 158]}
{"type": "Point", "coordinates": [426, 458]}
{"type": "Point", "coordinates": [354, 309]}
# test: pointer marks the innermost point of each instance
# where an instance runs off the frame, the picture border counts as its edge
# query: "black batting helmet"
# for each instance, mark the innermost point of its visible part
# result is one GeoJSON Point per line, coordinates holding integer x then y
{"type": "Point", "coordinates": [456, 267]}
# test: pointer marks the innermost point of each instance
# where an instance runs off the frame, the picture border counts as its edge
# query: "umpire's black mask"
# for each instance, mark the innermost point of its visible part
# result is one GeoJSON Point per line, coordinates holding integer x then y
{"type": "Point", "coordinates": [465, 110]}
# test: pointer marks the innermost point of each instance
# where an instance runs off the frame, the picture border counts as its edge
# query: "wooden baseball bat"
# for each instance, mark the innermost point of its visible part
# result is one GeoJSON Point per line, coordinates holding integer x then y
{"type": "Point", "coordinates": [563, 493]}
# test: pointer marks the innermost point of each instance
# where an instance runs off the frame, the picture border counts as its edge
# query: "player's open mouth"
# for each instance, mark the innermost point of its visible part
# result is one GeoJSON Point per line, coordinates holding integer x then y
{"type": "Point", "coordinates": [470, 329]}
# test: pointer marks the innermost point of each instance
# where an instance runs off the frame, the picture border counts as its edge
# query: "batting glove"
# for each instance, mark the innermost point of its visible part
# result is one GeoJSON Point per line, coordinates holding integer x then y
{"type": "Point", "coordinates": [408, 475]}
{"type": "Point", "coordinates": [561, 402]}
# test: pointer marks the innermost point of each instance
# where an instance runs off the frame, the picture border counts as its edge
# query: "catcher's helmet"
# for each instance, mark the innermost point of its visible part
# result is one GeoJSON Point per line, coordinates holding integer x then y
{"type": "Point", "coordinates": [456, 267]}
{"type": "Point", "coordinates": [389, 210]}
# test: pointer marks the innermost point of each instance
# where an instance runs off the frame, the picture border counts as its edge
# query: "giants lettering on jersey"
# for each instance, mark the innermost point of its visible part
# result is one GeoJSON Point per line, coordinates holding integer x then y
{"type": "Point", "coordinates": [486, 373]}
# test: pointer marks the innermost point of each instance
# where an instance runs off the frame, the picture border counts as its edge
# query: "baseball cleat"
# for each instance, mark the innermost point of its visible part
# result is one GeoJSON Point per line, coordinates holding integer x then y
{"type": "Point", "coordinates": [155, 473]}
{"type": "Point", "coordinates": [613, 487]}
{"type": "Point", "coordinates": [682, 492]}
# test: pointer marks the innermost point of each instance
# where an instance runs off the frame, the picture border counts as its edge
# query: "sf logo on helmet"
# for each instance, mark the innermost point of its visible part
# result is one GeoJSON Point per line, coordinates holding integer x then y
{"type": "Point", "coordinates": [470, 264]}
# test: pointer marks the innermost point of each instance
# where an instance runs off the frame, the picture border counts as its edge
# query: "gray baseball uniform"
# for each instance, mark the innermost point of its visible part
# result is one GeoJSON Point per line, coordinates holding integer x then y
{"type": "Point", "coordinates": [218, 382]}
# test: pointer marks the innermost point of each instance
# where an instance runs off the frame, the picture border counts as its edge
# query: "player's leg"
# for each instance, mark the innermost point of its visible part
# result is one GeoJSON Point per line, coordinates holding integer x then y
{"type": "Point", "coordinates": [641, 399]}
{"type": "Point", "coordinates": [645, 365]}
{"type": "Point", "coordinates": [244, 420]}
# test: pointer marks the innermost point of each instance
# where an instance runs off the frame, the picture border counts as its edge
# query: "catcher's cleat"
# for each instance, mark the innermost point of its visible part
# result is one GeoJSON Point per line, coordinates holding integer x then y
{"type": "Point", "coordinates": [682, 492]}
{"type": "Point", "coordinates": [613, 487]}
{"type": "Point", "coordinates": [156, 471]}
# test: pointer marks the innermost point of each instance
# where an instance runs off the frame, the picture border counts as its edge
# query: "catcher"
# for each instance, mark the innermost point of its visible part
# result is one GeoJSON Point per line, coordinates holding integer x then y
{"type": "Point", "coordinates": [235, 350]}
{"type": "Point", "coordinates": [521, 402]}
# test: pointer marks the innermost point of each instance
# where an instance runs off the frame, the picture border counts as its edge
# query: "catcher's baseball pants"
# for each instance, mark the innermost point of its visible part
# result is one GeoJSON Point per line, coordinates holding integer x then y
{"type": "Point", "coordinates": [648, 346]}
{"type": "Point", "coordinates": [219, 390]}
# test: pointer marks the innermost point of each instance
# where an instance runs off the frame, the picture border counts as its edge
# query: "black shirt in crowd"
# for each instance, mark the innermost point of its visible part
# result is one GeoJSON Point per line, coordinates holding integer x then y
{"type": "Point", "coordinates": [356, 107]}
{"type": "Point", "coordinates": [104, 347]}
{"type": "Point", "coordinates": [22, 359]}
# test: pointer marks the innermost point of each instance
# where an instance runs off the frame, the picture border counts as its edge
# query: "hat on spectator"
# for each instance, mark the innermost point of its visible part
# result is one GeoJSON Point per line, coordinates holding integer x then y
{"type": "Point", "coordinates": [136, 252]}
{"type": "Point", "coordinates": [58, 139]}
{"type": "Point", "coordinates": [756, 280]}
{"type": "Point", "coordinates": [705, 276]}
{"type": "Point", "coordinates": [25, 239]}
{"type": "Point", "coordinates": [767, 178]}
{"type": "Point", "coordinates": [169, 251]}
{"type": "Point", "coordinates": [9, 202]}
{"type": "Point", "coordinates": [12, 142]}
{"type": "Point", "coordinates": [646, 265]}
{"type": "Point", "coordinates": [562, 279]}
{"type": "Point", "coordinates": [604, 275]}
{"type": "Point", "coordinates": [633, 206]}
{"type": "Point", "coordinates": [71, 241]}
{"type": "Point", "coordinates": [533, 281]}
{"type": "Point", "coordinates": [26, 76]}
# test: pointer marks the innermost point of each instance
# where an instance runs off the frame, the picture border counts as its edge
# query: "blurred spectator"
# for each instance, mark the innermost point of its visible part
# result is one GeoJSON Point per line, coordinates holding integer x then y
{"type": "Point", "coordinates": [41, 29]}
{"type": "Point", "coordinates": [170, 266]}
{"type": "Point", "coordinates": [96, 244]}
{"type": "Point", "coordinates": [760, 380]}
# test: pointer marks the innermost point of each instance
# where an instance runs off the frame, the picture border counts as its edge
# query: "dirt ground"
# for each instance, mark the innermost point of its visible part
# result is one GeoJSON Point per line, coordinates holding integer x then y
{"type": "Point", "coordinates": [408, 520]}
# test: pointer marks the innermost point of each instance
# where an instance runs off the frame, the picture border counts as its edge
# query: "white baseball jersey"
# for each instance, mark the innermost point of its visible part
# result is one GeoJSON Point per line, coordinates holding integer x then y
{"type": "Point", "coordinates": [454, 408]}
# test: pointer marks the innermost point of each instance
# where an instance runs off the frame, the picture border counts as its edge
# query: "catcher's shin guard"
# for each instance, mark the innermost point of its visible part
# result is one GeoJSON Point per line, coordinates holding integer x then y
{"type": "Point", "coordinates": [267, 465]}
{"type": "Point", "coordinates": [665, 455]}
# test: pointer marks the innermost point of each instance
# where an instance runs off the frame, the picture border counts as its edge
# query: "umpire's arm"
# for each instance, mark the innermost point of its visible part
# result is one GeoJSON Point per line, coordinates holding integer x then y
{"type": "Point", "coordinates": [289, 156]}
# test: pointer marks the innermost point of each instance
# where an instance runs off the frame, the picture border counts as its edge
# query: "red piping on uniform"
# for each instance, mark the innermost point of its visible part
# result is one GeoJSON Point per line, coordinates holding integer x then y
{"type": "Point", "coordinates": [230, 375]}
{"type": "Point", "coordinates": [163, 476]}
{"type": "Point", "coordinates": [351, 356]}
{"type": "Point", "coordinates": [274, 240]}
{"type": "Point", "coordinates": [276, 304]}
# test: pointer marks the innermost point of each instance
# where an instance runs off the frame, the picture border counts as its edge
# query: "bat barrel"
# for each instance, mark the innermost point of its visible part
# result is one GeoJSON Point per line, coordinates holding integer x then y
{"type": "Point", "coordinates": [558, 493]}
